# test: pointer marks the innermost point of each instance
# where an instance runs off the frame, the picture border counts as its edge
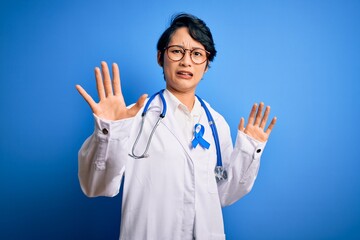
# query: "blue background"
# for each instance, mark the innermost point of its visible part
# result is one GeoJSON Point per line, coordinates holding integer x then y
{"type": "Point", "coordinates": [300, 57]}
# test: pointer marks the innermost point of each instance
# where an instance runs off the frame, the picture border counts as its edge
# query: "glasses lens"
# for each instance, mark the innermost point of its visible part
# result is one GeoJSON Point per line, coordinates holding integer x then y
{"type": "Point", "coordinates": [175, 53]}
{"type": "Point", "coordinates": [198, 55]}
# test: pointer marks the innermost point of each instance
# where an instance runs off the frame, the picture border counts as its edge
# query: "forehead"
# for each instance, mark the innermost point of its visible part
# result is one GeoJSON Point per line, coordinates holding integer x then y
{"type": "Point", "coordinates": [182, 37]}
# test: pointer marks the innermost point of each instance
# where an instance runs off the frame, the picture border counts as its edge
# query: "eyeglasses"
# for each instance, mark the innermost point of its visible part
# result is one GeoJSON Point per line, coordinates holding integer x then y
{"type": "Point", "coordinates": [197, 55]}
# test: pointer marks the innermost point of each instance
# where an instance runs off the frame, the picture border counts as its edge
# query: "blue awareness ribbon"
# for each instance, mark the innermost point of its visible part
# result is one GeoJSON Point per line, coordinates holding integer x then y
{"type": "Point", "coordinates": [198, 137]}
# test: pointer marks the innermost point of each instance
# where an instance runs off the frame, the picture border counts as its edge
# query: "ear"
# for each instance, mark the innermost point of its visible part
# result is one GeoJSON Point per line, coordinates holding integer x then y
{"type": "Point", "coordinates": [158, 59]}
{"type": "Point", "coordinates": [206, 67]}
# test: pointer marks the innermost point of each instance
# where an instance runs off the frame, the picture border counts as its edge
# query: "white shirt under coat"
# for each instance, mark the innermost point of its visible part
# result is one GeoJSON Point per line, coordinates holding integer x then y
{"type": "Point", "coordinates": [172, 194]}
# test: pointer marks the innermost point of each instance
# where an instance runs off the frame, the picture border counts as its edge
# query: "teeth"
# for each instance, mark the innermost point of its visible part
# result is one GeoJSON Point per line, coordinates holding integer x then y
{"type": "Point", "coordinates": [184, 73]}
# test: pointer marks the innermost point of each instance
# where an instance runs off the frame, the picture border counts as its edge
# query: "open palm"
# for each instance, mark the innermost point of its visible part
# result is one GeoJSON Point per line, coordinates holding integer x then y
{"type": "Point", "coordinates": [111, 105]}
{"type": "Point", "coordinates": [255, 127]}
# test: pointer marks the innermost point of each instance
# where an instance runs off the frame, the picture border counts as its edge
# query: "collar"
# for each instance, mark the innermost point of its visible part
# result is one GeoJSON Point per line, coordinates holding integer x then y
{"type": "Point", "coordinates": [175, 105]}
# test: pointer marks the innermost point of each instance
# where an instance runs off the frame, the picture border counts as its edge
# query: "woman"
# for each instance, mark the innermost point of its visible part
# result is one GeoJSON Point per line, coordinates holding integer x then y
{"type": "Point", "coordinates": [170, 189]}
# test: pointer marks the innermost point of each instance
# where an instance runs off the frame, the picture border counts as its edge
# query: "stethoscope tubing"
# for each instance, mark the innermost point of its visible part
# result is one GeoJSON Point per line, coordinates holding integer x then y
{"type": "Point", "coordinates": [214, 132]}
{"type": "Point", "coordinates": [161, 116]}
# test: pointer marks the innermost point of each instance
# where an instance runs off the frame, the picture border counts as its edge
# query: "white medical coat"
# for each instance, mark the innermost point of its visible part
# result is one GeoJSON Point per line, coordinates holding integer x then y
{"type": "Point", "coordinates": [174, 189]}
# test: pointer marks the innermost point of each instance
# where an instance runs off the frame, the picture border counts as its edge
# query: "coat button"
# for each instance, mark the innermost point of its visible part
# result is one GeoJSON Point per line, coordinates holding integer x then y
{"type": "Point", "coordinates": [105, 131]}
{"type": "Point", "coordinates": [258, 151]}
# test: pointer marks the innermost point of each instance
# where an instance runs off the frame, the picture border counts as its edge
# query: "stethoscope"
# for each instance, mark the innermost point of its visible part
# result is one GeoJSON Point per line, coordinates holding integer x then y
{"type": "Point", "coordinates": [220, 172]}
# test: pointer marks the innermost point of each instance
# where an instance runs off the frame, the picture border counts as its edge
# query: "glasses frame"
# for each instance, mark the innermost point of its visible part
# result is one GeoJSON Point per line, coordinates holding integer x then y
{"type": "Point", "coordinates": [166, 49]}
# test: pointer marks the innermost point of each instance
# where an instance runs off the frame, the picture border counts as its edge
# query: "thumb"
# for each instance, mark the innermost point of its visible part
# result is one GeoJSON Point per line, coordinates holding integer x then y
{"type": "Point", "coordinates": [138, 105]}
{"type": "Point", "coordinates": [87, 97]}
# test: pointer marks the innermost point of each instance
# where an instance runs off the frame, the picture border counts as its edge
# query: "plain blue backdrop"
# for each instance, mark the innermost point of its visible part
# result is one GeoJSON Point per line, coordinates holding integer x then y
{"type": "Point", "coordinates": [300, 57]}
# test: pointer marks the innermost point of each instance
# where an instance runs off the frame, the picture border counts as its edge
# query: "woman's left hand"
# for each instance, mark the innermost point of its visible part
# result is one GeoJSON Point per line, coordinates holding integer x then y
{"type": "Point", "coordinates": [255, 127]}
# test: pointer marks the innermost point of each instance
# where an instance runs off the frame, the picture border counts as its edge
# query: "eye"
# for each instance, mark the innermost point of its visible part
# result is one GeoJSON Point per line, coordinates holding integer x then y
{"type": "Point", "coordinates": [176, 50]}
{"type": "Point", "coordinates": [198, 53]}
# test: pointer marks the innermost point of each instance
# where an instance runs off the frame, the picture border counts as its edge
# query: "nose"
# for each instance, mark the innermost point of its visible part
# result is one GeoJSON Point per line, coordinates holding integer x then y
{"type": "Point", "coordinates": [186, 60]}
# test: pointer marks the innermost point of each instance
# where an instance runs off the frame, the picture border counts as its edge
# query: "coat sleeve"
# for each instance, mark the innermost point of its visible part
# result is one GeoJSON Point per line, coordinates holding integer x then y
{"type": "Point", "coordinates": [242, 163]}
{"type": "Point", "coordinates": [102, 158]}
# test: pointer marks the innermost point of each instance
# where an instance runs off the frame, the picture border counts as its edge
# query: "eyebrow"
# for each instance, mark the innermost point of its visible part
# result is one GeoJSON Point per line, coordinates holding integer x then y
{"type": "Point", "coordinates": [177, 45]}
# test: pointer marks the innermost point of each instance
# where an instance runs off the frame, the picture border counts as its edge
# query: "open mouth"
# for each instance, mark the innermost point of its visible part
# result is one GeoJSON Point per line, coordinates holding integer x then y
{"type": "Point", "coordinates": [184, 73]}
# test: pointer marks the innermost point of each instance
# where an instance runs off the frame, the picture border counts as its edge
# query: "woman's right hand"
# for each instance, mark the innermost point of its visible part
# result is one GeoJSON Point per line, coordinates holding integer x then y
{"type": "Point", "coordinates": [111, 105]}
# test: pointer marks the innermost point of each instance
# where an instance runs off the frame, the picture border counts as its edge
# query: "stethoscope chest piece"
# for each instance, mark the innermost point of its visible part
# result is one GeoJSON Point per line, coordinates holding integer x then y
{"type": "Point", "coordinates": [220, 173]}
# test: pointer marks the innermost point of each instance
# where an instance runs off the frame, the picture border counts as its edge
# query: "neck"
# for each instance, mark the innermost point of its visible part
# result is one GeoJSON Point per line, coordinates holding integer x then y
{"type": "Point", "coordinates": [186, 98]}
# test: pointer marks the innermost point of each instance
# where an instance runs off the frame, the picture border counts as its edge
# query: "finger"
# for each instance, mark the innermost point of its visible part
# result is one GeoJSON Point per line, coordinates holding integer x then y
{"type": "Point", "coordinates": [116, 79]}
{"type": "Point", "coordinates": [271, 126]}
{"type": "Point", "coordinates": [107, 79]}
{"type": "Point", "coordinates": [86, 96]}
{"type": "Point", "coordinates": [138, 105]}
{"type": "Point", "coordinates": [252, 114]}
{"type": "Point", "coordinates": [241, 124]}
{"type": "Point", "coordinates": [99, 84]}
{"type": "Point", "coordinates": [265, 117]}
{"type": "Point", "coordinates": [258, 114]}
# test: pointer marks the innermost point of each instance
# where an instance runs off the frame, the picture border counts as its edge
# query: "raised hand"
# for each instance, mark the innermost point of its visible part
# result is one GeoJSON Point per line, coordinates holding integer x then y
{"type": "Point", "coordinates": [111, 105]}
{"type": "Point", "coordinates": [255, 127]}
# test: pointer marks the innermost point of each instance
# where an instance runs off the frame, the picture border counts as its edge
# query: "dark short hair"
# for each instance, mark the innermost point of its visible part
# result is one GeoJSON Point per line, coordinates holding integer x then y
{"type": "Point", "coordinates": [197, 30]}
